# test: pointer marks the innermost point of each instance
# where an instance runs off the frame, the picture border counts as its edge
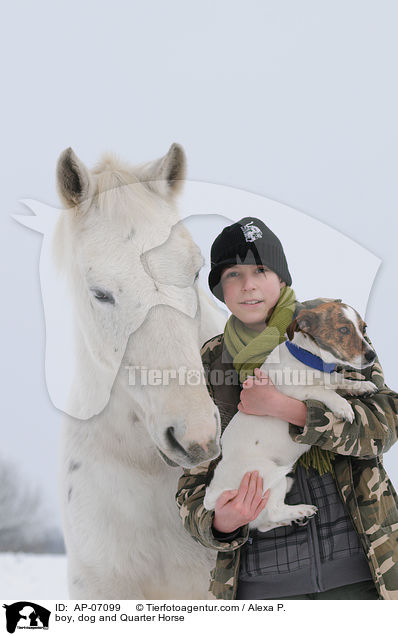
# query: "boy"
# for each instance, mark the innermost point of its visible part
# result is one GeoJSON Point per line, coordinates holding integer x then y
{"type": "Point", "coordinates": [348, 550]}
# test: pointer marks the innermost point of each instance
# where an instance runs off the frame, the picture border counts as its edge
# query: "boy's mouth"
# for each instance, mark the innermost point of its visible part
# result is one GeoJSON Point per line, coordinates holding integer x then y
{"type": "Point", "coordinates": [251, 302]}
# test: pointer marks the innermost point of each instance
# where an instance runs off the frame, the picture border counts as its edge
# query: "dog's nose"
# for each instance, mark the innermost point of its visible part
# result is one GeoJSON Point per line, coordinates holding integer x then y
{"type": "Point", "coordinates": [370, 356]}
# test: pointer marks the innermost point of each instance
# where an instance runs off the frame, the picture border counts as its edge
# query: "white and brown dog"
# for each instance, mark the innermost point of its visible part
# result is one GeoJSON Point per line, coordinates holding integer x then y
{"type": "Point", "coordinates": [302, 368]}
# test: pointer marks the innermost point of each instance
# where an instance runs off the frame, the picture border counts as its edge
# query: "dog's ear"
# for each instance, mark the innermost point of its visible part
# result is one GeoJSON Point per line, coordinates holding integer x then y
{"type": "Point", "coordinates": [307, 321]}
{"type": "Point", "coordinates": [291, 329]}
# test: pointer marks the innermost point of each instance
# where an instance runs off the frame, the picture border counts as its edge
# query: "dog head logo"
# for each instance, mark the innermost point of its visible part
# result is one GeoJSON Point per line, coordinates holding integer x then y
{"type": "Point", "coordinates": [251, 232]}
{"type": "Point", "coordinates": [26, 615]}
{"type": "Point", "coordinates": [123, 251]}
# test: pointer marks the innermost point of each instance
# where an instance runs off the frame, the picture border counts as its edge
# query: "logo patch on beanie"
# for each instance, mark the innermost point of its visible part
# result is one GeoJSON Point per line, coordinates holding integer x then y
{"type": "Point", "coordinates": [251, 232]}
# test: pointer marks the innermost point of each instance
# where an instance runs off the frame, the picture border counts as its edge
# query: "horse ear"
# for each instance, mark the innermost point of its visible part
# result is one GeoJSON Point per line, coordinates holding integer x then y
{"type": "Point", "coordinates": [73, 180]}
{"type": "Point", "coordinates": [166, 175]}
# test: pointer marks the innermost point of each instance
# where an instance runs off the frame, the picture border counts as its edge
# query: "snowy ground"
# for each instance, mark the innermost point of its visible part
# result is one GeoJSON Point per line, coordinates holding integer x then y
{"type": "Point", "coordinates": [32, 576]}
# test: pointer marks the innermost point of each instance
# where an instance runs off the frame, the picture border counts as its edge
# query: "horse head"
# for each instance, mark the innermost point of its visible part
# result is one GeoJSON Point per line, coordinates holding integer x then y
{"type": "Point", "coordinates": [132, 268]}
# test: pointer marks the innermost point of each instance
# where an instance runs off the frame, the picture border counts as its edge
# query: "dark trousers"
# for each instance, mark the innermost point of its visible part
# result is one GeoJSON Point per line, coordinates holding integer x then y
{"type": "Point", "coordinates": [355, 592]}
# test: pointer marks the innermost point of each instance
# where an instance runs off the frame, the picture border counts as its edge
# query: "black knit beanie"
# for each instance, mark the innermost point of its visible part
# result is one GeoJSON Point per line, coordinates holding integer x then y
{"type": "Point", "coordinates": [247, 242]}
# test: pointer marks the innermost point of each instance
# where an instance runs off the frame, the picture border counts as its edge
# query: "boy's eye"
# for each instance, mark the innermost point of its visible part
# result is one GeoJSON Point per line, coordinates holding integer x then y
{"type": "Point", "coordinates": [230, 274]}
{"type": "Point", "coordinates": [262, 270]}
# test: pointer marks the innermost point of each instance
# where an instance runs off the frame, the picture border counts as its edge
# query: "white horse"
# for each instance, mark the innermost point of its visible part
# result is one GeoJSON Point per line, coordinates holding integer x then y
{"type": "Point", "coordinates": [132, 267]}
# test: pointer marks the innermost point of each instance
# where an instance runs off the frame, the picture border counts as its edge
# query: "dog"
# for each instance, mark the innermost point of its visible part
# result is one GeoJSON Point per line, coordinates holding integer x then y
{"type": "Point", "coordinates": [302, 367]}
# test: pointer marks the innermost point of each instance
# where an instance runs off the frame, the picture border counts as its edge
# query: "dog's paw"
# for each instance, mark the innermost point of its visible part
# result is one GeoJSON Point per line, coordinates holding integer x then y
{"type": "Point", "coordinates": [344, 410]}
{"type": "Point", "coordinates": [305, 513]}
{"type": "Point", "coordinates": [366, 387]}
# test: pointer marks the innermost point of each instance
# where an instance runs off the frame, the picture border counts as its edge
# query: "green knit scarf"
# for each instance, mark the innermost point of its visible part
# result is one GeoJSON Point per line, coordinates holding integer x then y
{"type": "Point", "coordinates": [249, 349]}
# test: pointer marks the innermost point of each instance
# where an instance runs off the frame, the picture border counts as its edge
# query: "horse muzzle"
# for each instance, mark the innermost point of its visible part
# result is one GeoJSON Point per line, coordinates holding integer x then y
{"type": "Point", "coordinates": [175, 453]}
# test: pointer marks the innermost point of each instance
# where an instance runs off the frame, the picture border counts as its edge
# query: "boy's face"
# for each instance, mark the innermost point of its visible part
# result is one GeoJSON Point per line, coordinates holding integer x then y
{"type": "Point", "coordinates": [250, 293]}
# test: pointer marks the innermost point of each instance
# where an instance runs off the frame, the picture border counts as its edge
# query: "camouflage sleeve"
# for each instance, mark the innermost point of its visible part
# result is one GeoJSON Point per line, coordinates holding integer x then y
{"type": "Point", "coordinates": [206, 354]}
{"type": "Point", "coordinates": [373, 431]}
{"type": "Point", "coordinates": [196, 519]}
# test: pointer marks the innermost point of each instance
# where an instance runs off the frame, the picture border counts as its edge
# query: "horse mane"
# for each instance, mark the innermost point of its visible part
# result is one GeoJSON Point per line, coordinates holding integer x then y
{"type": "Point", "coordinates": [119, 189]}
{"type": "Point", "coordinates": [112, 173]}
{"type": "Point", "coordinates": [112, 176]}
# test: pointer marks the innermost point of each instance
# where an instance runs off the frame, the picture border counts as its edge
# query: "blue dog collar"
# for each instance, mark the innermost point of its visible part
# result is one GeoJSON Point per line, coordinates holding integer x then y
{"type": "Point", "coordinates": [310, 359]}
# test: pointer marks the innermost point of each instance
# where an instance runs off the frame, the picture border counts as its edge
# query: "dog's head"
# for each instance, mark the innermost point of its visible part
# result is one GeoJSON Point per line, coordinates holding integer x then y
{"type": "Point", "coordinates": [335, 332]}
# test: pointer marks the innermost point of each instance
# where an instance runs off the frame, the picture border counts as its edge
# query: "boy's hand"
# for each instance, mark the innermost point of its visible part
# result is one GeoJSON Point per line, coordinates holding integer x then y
{"type": "Point", "coordinates": [259, 395]}
{"type": "Point", "coordinates": [235, 508]}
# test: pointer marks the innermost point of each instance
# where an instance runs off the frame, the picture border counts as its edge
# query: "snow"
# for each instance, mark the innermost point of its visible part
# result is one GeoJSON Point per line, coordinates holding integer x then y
{"type": "Point", "coordinates": [32, 576]}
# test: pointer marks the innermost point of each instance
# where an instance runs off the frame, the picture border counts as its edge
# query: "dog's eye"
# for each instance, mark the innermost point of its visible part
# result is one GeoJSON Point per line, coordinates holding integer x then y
{"type": "Point", "coordinates": [344, 330]}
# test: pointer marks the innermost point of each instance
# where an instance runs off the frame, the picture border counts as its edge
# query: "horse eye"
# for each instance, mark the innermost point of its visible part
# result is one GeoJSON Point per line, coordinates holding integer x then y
{"type": "Point", "coordinates": [103, 296]}
{"type": "Point", "coordinates": [344, 330]}
{"type": "Point", "coordinates": [196, 276]}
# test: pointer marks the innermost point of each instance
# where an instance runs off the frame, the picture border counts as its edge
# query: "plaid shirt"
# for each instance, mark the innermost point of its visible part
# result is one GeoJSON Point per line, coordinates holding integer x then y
{"type": "Point", "coordinates": [302, 559]}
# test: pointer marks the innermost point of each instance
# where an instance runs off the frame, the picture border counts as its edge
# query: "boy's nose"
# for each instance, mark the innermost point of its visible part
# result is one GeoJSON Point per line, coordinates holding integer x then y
{"type": "Point", "coordinates": [248, 282]}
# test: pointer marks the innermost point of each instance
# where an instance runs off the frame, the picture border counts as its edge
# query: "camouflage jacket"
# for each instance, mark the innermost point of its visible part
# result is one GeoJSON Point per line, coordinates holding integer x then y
{"type": "Point", "coordinates": [366, 491]}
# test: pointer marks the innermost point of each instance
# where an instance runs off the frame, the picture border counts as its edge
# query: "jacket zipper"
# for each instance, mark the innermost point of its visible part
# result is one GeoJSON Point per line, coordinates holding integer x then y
{"type": "Point", "coordinates": [313, 540]}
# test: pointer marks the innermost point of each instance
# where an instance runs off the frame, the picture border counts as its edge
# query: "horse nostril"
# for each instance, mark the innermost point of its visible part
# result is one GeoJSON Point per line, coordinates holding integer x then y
{"type": "Point", "coordinates": [170, 435]}
{"type": "Point", "coordinates": [172, 440]}
{"type": "Point", "coordinates": [370, 356]}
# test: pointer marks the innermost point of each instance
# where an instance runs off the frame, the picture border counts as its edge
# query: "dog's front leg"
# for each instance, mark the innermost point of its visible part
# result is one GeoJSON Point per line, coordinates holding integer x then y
{"type": "Point", "coordinates": [331, 399]}
{"type": "Point", "coordinates": [354, 387]}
